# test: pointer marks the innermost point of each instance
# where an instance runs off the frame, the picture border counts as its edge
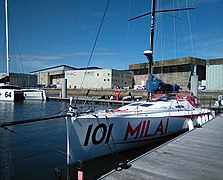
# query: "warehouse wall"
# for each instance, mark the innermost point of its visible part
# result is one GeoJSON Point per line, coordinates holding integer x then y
{"type": "Point", "coordinates": [214, 74]}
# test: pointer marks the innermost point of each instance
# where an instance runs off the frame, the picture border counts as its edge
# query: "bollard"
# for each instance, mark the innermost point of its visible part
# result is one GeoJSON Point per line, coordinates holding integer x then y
{"type": "Point", "coordinates": [64, 88]}
{"type": "Point", "coordinates": [117, 92]}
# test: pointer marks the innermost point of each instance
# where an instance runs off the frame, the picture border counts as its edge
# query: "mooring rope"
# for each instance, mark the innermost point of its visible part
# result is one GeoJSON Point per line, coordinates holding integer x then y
{"type": "Point", "coordinates": [32, 139]}
{"type": "Point", "coordinates": [18, 122]}
{"type": "Point", "coordinates": [94, 45]}
{"type": "Point", "coordinates": [114, 154]}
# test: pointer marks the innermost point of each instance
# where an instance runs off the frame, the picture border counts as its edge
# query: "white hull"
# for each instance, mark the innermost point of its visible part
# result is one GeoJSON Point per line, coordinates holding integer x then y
{"type": "Point", "coordinates": [90, 136]}
{"type": "Point", "coordinates": [22, 94]}
{"type": "Point", "coordinates": [11, 95]}
{"type": "Point", "coordinates": [34, 94]}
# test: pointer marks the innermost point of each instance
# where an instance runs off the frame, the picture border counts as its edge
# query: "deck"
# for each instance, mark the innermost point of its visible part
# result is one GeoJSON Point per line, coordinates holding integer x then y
{"type": "Point", "coordinates": [197, 154]}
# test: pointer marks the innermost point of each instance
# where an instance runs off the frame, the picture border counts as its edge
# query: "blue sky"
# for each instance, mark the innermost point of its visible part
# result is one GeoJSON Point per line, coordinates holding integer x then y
{"type": "Point", "coordinates": [45, 33]}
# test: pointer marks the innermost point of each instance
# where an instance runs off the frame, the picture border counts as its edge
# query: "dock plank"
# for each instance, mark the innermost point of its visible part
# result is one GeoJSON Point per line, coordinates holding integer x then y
{"type": "Point", "coordinates": [197, 154]}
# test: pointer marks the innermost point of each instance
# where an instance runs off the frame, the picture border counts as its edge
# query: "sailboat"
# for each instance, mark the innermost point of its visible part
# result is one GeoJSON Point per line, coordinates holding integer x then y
{"type": "Point", "coordinates": [94, 133]}
{"type": "Point", "coordinates": [10, 92]}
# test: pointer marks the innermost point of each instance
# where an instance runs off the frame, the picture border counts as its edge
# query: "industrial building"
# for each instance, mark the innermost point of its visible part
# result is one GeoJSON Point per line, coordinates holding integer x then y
{"type": "Point", "coordinates": [98, 78]}
{"type": "Point", "coordinates": [173, 71]}
{"type": "Point", "coordinates": [52, 75]}
{"type": "Point", "coordinates": [24, 80]}
{"type": "Point", "coordinates": [91, 77]}
{"type": "Point", "coordinates": [214, 74]}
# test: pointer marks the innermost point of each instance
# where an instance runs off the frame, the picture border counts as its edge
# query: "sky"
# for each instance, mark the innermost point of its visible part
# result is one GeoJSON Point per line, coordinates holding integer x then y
{"type": "Point", "coordinates": [47, 33]}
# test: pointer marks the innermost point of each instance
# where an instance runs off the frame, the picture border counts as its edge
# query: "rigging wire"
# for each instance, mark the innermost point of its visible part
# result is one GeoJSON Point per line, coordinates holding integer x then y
{"type": "Point", "coordinates": [114, 154]}
{"type": "Point", "coordinates": [15, 44]}
{"type": "Point", "coordinates": [12, 56]}
{"type": "Point", "coordinates": [175, 31]}
{"type": "Point", "coordinates": [12, 49]}
{"type": "Point", "coordinates": [32, 140]}
{"type": "Point", "coordinates": [94, 45]}
{"type": "Point", "coordinates": [57, 115]}
{"type": "Point", "coordinates": [4, 125]}
{"type": "Point", "coordinates": [190, 31]}
{"type": "Point", "coordinates": [127, 31]}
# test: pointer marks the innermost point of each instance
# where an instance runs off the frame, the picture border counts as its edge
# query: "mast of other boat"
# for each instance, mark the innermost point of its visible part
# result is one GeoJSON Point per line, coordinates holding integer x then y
{"type": "Point", "coordinates": [12, 92]}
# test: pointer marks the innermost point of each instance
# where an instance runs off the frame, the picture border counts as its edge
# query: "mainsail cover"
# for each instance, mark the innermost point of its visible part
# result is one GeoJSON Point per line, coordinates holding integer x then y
{"type": "Point", "coordinates": [154, 84]}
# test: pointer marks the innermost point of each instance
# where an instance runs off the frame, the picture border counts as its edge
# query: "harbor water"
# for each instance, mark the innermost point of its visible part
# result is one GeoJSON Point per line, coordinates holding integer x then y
{"type": "Point", "coordinates": [32, 151]}
{"type": "Point", "coordinates": [35, 150]}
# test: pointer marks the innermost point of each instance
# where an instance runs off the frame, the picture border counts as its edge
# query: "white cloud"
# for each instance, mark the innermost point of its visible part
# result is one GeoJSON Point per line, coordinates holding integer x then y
{"type": "Point", "coordinates": [36, 57]}
{"type": "Point", "coordinates": [99, 51]}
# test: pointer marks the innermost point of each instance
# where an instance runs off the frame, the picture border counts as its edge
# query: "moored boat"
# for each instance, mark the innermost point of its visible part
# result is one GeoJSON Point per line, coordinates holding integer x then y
{"type": "Point", "coordinates": [17, 93]}
{"type": "Point", "coordinates": [10, 92]}
{"type": "Point", "coordinates": [94, 133]}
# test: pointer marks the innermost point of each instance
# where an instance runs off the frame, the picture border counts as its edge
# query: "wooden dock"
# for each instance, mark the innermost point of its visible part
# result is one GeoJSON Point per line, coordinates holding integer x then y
{"type": "Point", "coordinates": [197, 154]}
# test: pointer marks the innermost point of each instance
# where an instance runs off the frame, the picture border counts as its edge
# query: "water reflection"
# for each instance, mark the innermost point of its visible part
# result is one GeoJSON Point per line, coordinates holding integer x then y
{"type": "Point", "coordinates": [34, 150]}
{"type": "Point", "coordinates": [6, 155]}
{"type": "Point", "coordinates": [31, 150]}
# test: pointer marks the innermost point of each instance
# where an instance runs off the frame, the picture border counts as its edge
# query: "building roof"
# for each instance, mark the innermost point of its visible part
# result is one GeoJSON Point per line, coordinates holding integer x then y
{"type": "Point", "coordinates": [60, 67]}
{"type": "Point", "coordinates": [64, 67]}
{"type": "Point", "coordinates": [88, 68]}
{"type": "Point", "coordinates": [218, 61]}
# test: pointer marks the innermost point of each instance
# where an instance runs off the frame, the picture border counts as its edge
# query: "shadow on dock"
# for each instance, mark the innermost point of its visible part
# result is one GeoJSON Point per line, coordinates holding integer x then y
{"type": "Point", "coordinates": [94, 169]}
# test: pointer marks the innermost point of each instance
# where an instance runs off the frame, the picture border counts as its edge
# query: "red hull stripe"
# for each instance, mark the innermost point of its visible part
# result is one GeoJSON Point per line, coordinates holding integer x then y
{"type": "Point", "coordinates": [190, 116]}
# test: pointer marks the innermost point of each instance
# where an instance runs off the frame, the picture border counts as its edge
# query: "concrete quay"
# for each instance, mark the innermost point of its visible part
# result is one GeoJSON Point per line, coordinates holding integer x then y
{"type": "Point", "coordinates": [203, 95]}
{"type": "Point", "coordinates": [84, 95]}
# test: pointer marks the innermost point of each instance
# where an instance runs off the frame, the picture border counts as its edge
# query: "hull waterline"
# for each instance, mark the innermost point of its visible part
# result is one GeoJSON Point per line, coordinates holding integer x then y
{"type": "Point", "coordinates": [91, 136]}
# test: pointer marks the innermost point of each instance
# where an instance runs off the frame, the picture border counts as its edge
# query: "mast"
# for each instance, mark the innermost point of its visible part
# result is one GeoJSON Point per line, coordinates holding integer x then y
{"type": "Point", "coordinates": [6, 38]}
{"type": "Point", "coordinates": [149, 53]}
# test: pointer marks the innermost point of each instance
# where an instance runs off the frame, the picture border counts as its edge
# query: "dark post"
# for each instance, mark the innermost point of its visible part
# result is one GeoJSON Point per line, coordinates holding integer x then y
{"type": "Point", "coordinates": [58, 174]}
{"type": "Point", "coordinates": [150, 57]}
{"type": "Point", "coordinates": [80, 170]}
{"type": "Point", "coordinates": [149, 53]}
